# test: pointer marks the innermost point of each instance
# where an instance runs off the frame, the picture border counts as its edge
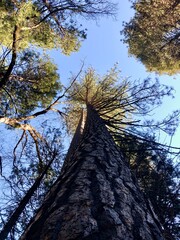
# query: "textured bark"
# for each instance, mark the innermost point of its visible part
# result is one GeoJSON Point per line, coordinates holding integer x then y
{"type": "Point", "coordinates": [75, 141]}
{"type": "Point", "coordinates": [96, 197]}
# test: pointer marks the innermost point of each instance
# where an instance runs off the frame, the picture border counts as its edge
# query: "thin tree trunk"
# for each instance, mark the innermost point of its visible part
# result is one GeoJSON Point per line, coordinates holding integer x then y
{"type": "Point", "coordinates": [96, 197]}
{"type": "Point", "coordinates": [16, 214]}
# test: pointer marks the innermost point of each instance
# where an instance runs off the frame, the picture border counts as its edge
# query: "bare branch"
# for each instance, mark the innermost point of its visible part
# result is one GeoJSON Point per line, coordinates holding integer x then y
{"type": "Point", "coordinates": [14, 150]}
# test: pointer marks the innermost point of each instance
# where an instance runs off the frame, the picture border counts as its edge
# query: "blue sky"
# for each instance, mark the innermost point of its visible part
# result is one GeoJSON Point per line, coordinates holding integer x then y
{"type": "Point", "coordinates": [103, 48]}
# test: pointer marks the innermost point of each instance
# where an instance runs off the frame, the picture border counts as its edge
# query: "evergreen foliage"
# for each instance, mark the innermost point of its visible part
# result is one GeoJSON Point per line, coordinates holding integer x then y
{"type": "Point", "coordinates": [103, 93]}
{"type": "Point", "coordinates": [120, 102]}
{"type": "Point", "coordinates": [33, 83]}
{"type": "Point", "coordinates": [32, 29]}
{"type": "Point", "coordinates": [153, 166]}
{"type": "Point", "coordinates": [46, 25]}
{"type": "Point", "coordinates": [153, 35]}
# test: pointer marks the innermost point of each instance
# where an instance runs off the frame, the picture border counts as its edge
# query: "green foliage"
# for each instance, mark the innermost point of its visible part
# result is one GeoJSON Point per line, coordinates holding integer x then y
{"type": "Point", "coordinates": [33, 83]}
{"type": "Point", "coordinates": [48, 24]}
{"type": "Point", "coordinates": [158, 177]}
{"type": "Point", "coordinates": [153, 35]}
{"type": "Point", "coordinates": [103, 93]}
{"type": "Point", "coordinates": [32, 30]}
{"type": "Point", "coordinates": [120, 102]}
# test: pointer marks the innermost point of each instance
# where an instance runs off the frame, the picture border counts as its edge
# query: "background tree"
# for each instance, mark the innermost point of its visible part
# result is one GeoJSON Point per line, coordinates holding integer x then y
{"type": "Point", "coordinates": [153, 35]}
{"type": "Point", "coordinates": [35, 167]}
{"type": "Point", "coordinates": [157, 173]}
{"type": "Point", "coordinates": [27, 79]}
{"type": "Point", "coordinates": [34, 82]}
{"type": "Point", "coordinates": [45, 24]}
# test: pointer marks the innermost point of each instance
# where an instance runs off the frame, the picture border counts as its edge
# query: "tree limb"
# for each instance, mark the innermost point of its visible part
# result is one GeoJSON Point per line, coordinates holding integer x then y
{"type": "Point", "coordinates": [13, 58]}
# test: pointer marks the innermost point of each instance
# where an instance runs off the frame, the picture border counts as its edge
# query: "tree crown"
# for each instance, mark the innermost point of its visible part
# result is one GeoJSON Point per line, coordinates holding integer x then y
{"type": "Point", "coordinates": [153, 35]}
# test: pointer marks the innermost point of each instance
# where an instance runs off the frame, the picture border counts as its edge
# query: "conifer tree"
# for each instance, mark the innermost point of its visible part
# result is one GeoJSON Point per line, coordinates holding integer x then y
{"type": "Point", "coordinates": [153, 35]}
{"type": "Point", "coordinates": [96, 196]}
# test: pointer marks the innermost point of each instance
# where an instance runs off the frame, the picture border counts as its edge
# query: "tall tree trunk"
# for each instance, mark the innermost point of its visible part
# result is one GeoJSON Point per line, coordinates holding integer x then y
{"type": "Point", "coordinates": [96, 197]}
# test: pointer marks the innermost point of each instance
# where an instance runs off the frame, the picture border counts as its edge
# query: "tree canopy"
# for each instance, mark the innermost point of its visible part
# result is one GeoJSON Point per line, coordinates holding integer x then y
{"type": "Point", "coordinates": [32, 83]}
{"type": "Point", "coordinates": [153, 35]}
{"type": "Point", "coordinates": [119, 101]}
{"type": "Point", "coordinates": [30, 25]}
{"type": "Point", "coordinates": [48, 24]}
